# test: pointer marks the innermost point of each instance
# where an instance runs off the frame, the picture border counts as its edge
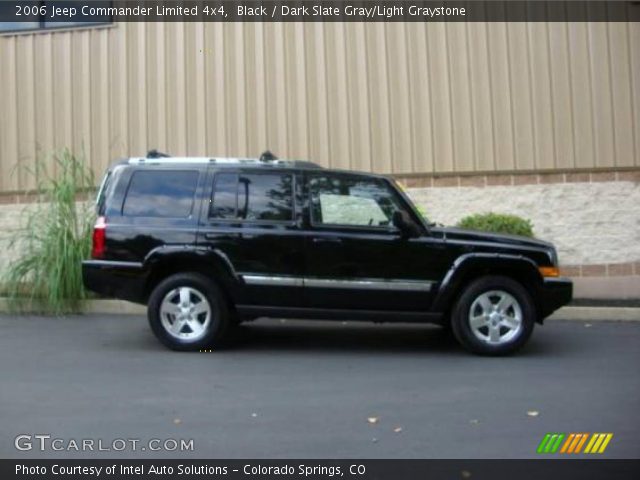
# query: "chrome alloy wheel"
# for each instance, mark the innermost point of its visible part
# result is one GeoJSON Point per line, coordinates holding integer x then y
{"type": "Point", "coordinates": [185, 313]}
{"type": "Point", "coordinates": [495, 317]}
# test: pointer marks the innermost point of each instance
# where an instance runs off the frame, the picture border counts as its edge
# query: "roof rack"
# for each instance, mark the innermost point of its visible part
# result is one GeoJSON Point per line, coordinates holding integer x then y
{"type": "Point", "coordinates": [169, 160]}
{"type": "Point", "coordinates": [155, 157]}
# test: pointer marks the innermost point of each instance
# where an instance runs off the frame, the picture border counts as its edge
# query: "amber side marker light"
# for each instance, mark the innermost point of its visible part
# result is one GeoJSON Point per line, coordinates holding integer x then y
{"type": "Point", "coordinates": [549, 271]}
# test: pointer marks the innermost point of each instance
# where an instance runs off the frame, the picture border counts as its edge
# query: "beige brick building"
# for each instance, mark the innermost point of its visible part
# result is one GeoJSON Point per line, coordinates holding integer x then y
{"type": "Point", "coordinates": [537, 119]}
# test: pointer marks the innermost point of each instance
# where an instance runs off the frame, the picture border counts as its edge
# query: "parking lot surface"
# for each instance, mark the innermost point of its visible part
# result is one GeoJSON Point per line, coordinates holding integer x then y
{"type": "Point", "coordinates": [313, 390]}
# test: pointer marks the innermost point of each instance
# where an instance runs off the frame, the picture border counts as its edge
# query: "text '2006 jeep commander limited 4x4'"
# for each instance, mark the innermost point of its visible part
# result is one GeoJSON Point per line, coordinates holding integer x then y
{"type": "Point", "coordinates": [209, 242]}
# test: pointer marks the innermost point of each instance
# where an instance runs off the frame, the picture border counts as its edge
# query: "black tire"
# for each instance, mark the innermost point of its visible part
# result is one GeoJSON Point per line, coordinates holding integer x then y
{"type": "Point", "coordinates": [510, 341]}
{"type": "Point", "coordinates": [214, 329]}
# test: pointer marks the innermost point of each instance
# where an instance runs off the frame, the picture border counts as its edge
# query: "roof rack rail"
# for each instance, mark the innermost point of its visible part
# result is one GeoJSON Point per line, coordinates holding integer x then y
{"type": "Point", "coordinates": [266, 159]}
{"type": "Point", "coordinates": [156, 154]}
{"type": "Point", "coordinates": [267, 156]}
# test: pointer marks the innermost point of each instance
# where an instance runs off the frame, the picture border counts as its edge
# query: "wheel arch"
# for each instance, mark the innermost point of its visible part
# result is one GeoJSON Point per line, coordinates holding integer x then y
{"type": "Point", "coordinates": [469, 267]}
{"type": "Point", "coordinates": [211, 263]}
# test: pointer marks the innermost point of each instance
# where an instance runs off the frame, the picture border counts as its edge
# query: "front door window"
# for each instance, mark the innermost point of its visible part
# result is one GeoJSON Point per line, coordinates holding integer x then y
{"type": "Point", "coordinates": [352, 201]}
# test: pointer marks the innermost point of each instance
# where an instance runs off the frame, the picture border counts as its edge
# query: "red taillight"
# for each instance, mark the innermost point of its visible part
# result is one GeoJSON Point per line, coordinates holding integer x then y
{"type": "Point", "coordinates": [99, 230]}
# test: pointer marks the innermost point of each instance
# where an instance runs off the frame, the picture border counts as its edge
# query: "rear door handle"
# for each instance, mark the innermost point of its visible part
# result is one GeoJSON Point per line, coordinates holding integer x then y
{"type": "Point", "coordinates": [216, 236]}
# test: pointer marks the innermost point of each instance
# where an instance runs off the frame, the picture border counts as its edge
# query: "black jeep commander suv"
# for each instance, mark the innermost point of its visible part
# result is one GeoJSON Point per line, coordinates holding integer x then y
{"type": "Point", "coordinates": [209, 242]}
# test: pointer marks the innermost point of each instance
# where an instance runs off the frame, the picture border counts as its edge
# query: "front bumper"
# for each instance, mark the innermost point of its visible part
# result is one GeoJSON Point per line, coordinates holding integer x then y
{"type": "Point", "coordinates": [123, 280]}
{"type": "Point", "coordinates": [555, 293]}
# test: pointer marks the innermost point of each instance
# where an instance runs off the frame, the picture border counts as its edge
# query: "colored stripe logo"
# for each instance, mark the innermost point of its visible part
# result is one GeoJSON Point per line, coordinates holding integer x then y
{"type": "Point", "coordinates": [574, 443]}
{"type": "Point", "coordinates": [598, 442]}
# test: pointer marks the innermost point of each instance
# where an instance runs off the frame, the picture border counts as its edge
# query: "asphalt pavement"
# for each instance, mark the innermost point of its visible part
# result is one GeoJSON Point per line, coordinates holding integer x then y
{"type": "Point", "coordinates": [312, 390]}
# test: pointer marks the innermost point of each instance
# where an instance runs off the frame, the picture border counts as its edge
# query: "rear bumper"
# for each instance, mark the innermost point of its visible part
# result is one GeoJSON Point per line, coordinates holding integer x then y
{"type": "Point", "coordinates": [555, 293]}
{"type": "Point", "coordinates": [123, 280]}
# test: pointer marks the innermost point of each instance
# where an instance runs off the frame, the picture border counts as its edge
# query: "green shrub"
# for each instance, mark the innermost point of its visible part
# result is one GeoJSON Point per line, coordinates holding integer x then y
{"type": "Point", "coordinates": [54, 239]}
{"type": "Point", "coordinates": [498, 223]}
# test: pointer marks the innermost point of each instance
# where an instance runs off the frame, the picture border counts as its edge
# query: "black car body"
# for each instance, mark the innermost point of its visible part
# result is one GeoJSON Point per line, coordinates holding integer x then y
{"type": "Point", "coordinates": [289, 239]}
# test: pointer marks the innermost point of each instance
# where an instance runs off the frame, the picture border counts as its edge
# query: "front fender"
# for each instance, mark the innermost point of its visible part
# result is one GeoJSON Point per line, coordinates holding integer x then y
{"type": "Point", "coordinates": [472, 265]}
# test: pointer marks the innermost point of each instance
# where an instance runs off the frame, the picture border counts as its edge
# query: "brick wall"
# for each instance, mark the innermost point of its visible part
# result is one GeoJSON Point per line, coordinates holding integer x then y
{"type": "Point", "coordinates": [592, 217]}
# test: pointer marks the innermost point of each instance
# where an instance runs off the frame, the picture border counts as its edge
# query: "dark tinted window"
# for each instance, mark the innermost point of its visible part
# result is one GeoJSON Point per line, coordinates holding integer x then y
{"type": "Point", "coordinates": [161, 194]}
{"type": "Point", "coordinates": [265, 197]}
{"type": "Point", "coordinates": [248, 196]}
{"type": "Point", "coordinates": [225, 196]}
{"type": "Point", "coordinates": [102, 193]}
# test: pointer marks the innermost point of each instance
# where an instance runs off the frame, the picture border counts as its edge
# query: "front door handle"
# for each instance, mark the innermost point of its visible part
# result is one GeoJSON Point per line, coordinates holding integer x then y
{"type": "Point", "coordinates": [326, 240]}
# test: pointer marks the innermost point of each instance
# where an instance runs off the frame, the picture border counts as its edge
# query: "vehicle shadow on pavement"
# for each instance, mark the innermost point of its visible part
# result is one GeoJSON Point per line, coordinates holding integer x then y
{"type": "Point", "coordinates": [343, 336]}
{"type": "Point", "coordinates": [300, 336]}
{"type": "Point", "coordinates": [308, 336]}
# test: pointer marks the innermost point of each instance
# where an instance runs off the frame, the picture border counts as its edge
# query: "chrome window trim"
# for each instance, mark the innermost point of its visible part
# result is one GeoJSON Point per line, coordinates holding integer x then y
{"type": "Point", "coordinates": [355, 284]}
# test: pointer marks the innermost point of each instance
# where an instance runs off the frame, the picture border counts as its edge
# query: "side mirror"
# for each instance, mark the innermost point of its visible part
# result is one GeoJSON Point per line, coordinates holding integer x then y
{"type": "Point", "coordinates": [403, 222]}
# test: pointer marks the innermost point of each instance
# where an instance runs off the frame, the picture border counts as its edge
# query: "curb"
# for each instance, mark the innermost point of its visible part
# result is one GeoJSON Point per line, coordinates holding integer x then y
{"type": "Point", "coordinates": [104, 307]}
{"type": "Point", "coordinates": [591, 314]}
{"type": "Point", "coordinates": [594, 314]}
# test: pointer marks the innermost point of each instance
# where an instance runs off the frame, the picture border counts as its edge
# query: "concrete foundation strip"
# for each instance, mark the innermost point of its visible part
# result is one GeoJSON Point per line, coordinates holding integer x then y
{"type": "Point", "coordinates": [584, 314]}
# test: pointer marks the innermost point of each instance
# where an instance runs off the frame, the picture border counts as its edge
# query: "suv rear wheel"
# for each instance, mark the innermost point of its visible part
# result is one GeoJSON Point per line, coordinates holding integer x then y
{"type": "Point", "coordinates": [493, 316]}
{"type": "Point", "coordinates": [188, 312]}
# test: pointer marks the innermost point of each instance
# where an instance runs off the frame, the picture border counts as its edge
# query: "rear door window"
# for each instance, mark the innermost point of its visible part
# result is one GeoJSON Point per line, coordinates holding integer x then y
{"type": "Point", "coordinates": [225, 196]}
{"type": "Point", "coordinates": [253, 197]}
{"type": "Point", "coordinates": [167, 193]}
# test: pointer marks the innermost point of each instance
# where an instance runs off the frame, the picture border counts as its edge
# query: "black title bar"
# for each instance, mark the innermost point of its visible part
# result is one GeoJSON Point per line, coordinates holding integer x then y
{"type": "Point", "coordinates": [314, 469]}
{"type": "Point", "coordinates": [99, 11]}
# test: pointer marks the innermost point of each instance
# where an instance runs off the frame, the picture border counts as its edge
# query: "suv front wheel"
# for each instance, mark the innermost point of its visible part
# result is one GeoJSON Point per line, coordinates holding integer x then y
{"type": "Point", "coordinates": [493, 316]}
{"type": "Point", "coordinates": [187, 311]}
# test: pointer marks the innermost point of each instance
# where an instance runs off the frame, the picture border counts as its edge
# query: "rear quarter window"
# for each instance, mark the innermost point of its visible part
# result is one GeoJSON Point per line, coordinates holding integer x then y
{"type": "Point", "coordinates": [168, 193]}
{"type": "Point", "coordinates": [102, 193]}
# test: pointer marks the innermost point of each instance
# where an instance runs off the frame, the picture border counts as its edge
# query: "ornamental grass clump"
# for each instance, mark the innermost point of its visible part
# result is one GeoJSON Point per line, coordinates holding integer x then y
{"type": "Point", "coordinates": [54, 238]}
